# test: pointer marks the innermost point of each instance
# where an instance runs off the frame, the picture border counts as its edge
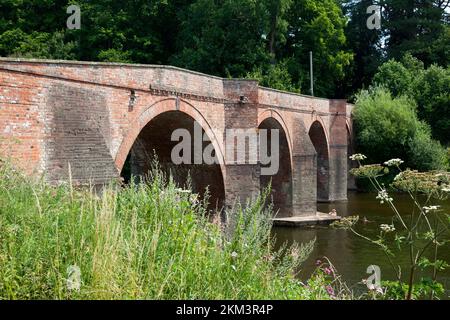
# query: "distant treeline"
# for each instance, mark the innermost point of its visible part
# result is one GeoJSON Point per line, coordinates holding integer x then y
{"type": "Point", "coordinates": [265, 39]}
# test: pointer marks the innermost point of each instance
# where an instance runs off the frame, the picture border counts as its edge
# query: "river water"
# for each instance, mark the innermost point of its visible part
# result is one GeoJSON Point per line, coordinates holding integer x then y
{"type": "Point", "coordinates": [350, 254]}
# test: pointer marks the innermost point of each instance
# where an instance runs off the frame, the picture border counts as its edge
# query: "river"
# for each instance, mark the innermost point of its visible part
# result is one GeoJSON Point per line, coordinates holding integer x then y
{"type": "Point", "coordinates": [350, 254]}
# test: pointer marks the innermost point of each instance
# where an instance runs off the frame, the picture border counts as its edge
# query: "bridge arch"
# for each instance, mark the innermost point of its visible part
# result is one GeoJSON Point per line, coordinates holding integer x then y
{"type": "Point", "coordinates": [151, 133]}
{"type": "Point", "coordinates": [317, 134]}
{"type": "Point", "coordinates": [281, 181]}
{"type": "Point", "coordinates": [271, 113]}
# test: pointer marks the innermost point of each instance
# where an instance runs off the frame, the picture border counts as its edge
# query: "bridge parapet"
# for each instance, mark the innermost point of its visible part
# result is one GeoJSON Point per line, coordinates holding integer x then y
{"type": "Point", "coordinates": [87, 116]}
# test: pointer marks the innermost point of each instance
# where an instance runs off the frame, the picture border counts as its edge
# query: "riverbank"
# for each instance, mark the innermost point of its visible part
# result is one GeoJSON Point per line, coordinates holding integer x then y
{"type": "Point", "coordinates": [146, 241]}
{"type": "Point", "coordinates": [350, 254]}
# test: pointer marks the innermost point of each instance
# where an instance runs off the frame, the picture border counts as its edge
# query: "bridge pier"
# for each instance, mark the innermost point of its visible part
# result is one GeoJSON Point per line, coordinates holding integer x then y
{"type": "Point", "coordinates": [304, 167]}
{"type": "Point", "coordinates": [338, 151]}
{"type": "Point", "coordinates": [304, 191]}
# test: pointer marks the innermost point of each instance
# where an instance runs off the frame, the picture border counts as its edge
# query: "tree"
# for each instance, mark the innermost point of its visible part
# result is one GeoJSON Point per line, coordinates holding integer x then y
{"type": "Point", "coordinates": [432, 92]}
{"type": "Point", "coordinates": [364, 43]}
{"type": "Point", "coordinates": [278, 24]}
{"type": "Point", "coordinates": [317, 26]}
{"type": "Point", "coordinates": [224, 38]}
{"type": "Point", "coordinates": [388, 127]}
{"type": "Point", "coordinates": [35, 29]}
{"type": "Point", "coordinates": [274, 76]}
{"type": "Point", "coordinates": [430, 89]}
{"type": "Point", "coordinates": [417, 27]}
{"type": "Point", "coordinates": [140, 31]}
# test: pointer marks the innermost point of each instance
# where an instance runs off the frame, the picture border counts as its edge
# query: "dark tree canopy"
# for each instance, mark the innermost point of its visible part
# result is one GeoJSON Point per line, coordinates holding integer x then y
{"type": "Point", "coordinates": [269, 40]}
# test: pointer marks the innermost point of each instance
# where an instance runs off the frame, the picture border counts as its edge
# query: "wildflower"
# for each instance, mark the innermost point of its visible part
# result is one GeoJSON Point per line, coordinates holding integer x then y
{"type": "Point", "coordinates": [387, 228]}
{"type": "Point", "coordinates": [194, 199]}
{"type": "Point", "coordinates": [394, 162]}
{"type": "Point", "coordinates": [327, 270]}
{"type": "Point", "coordinates": [73, 278]}
{"type": "Point", "coordinates": [234, 255]}
{"type": "Point", "coordinates": [380, 290]}
{"type": "Point", "coordinates": [268, 257]}
{"type": "Point", "coordinates": [295, 252]}
{"type": "Point", "coordinates": [431, 208]}
{"type": "Point", "coordinates": [384, 196]}
{"type": "Point", "coordinates": [357, 157]}
{"type": "Point", "coordinates": [330, 290]}
{"type": "Point", "coordinates": [398, 177]}
{"type": "Point", "coordinates": [180, 190]}
{"type": "Point", "coordinates": [318, 262]}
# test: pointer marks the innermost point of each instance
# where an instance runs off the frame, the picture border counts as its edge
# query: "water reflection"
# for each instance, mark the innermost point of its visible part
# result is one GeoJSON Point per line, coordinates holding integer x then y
{"type": "Point", "coordinates": [350, 254]}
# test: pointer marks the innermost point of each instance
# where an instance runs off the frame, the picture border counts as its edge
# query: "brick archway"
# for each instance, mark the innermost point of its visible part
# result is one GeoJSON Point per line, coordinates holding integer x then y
{"type": "Point", "coordinates": [154, 130]}
{"type": "Point", "coordinates": [160, 107]}
{"type": "Point", "coordinates": [318, 137]}
{"type": "Point", "coordinates": [270, 113]}
{"type": "Point", "coordinates": [281, 182]}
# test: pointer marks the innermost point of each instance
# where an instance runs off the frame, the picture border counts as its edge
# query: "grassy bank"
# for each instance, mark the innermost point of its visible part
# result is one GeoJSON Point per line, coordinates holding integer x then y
{"type": "Point", "coordinates": [146, 241]}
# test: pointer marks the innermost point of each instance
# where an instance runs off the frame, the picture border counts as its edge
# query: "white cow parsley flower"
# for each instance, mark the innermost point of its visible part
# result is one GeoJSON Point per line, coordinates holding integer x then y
{"type": "Point", "coordinates": [394, 162]}
{"type": "Point", "coordinates": [387, 228]}
{"type": "Point", "coordinates": [431, 208]}
{"type": "Point", "coordinates": [357, 156]}
{"type": "Point", "coordinates": [384, 196]}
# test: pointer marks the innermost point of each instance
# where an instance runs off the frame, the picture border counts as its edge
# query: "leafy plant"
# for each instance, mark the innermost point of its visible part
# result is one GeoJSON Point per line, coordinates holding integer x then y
{"type": "Point", "coordinates": [422, 232]}
{"type": "Point", "coordinates": [151, 240]}
{"type": "Point", "coordinates": [387, 126]}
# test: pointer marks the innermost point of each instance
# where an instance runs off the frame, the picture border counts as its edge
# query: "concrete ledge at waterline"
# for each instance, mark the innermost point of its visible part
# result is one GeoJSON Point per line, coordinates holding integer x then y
{"type": "Point", "coordinates": [319, 219]}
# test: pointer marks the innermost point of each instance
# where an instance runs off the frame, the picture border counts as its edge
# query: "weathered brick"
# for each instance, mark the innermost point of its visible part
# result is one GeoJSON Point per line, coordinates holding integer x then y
{"type": "Point", "coordinates": [56, 113]}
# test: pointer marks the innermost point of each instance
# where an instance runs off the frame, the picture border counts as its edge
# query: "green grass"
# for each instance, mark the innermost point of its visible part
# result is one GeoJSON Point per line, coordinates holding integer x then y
{"type": "Point", "coordinates": [144, 241]}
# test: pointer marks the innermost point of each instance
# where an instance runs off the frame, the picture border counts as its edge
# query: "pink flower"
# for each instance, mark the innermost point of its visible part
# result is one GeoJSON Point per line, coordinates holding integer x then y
{"type": "Point", "coordinates": [327, 270]}
{"type": "Point", "coordinates": [318, 262]}
{"type": "Point", "coordinates": [330, 290]}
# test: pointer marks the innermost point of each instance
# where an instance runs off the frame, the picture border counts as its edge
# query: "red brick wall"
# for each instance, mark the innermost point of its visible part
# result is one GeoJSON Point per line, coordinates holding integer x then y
{"type": "Point", "coordinates": [53, 113]}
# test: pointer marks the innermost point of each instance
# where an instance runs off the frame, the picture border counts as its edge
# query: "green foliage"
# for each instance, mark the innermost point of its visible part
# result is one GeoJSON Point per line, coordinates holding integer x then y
{"type": "Point", "coordinates": [426, 153]}
{"type": "Point", "coordinates": [317, 26]}
{"type": "Point", "coordinates": [269, 39]}
{"type": "Point", "coordinates": [417, 27]}
{"type": "Point", "coordinates": [36, 45]}
{"type": "Point", "coordinates": [363, 43]}
{"type": "Point", "coordinates": [395, 290]}
{"type": "Point", "coordinates": [421, 231]}
{"type": "Point", "coordinates": [386, 127]}
{"type": "Point", "coordinates": [223, 38]}
{"type": "Point", "coordinates": [432, 93]}
{"type": "Point", "coordinates": [113, 55]}
{"type": "Point", "coordinates": [430, 88]}
{"type": "Point", "coordinates": [275, 76]}
{"type": "Point", "coordinates": [394, 76]}
{"type": "Point", "coordinates": [146, 241]}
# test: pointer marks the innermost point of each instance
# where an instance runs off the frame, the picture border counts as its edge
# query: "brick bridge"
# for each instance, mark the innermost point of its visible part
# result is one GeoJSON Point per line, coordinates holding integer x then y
{"type": "Point", "coordinates": [106, 120]}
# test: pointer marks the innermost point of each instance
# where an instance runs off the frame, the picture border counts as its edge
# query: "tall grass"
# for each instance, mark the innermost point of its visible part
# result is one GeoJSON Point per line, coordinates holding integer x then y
{"type": "Point", "coordinates": [144, 241]}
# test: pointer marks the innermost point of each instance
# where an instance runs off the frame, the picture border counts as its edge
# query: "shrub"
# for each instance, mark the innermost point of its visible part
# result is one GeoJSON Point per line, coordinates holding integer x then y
{"type": "Point", "coordinates": [429, 88]}
{"type": "Point", "coordinates": [387, 126]}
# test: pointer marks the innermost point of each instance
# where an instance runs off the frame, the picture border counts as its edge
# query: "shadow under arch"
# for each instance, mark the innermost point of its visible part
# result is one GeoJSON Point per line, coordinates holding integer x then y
{"type": "Point", "coordinates": [281, 181]}
{"type": "Point", "coordinates": [151, 135]}
{"type": "Point", "coordinates": [320, 143]}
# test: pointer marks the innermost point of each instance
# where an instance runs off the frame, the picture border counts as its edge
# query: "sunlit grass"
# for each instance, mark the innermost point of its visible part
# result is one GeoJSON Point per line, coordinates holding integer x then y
{"type": "Point", "coordinates": [144, 241]}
